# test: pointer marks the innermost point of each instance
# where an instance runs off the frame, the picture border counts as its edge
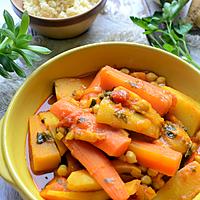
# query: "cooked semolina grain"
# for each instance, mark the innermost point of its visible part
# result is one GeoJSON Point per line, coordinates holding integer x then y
{"type": "Point", "coordinates": [58, 8]}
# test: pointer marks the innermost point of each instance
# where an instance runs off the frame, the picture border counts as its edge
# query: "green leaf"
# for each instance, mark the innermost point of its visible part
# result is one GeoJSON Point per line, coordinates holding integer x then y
{"type": "Point", "coordinates": [17, 27]}
{"type": "Point", "coordinates": [171, 10]}
{"type": "Point", "coordinates": [4, 73]}
{"type": "Point", "coordinates": [140, 22]}
{"type": "Point", "coordinates": [26, 58]}
{"type": "Point", "coordinates": [5, 62]}
{"type": "Point", "coordinates": [9, 20]}
{"type": "Point", "coordinates": [23, 40]}
{"type": "Point", "coordinates": [168, 47]}
{"type": "Point", "coordinates": [13, 55]}
{"type": "Point", "coordinates": [18, 70]}
{"type": "Point", "coordinates": [183, 29]}
{"type": "Point", "coordinates": [39, 49]}
{"type": "Point", "coordinates": [34, 56]}
{"type": "Point", "coordinates": [24, 24]}
{"type": "Point", "coordinates": [7, 33]}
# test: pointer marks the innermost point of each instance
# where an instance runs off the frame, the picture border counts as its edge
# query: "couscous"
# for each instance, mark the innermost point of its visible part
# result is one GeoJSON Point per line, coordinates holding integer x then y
{"type": "Point", "coordinates": [58, 8]}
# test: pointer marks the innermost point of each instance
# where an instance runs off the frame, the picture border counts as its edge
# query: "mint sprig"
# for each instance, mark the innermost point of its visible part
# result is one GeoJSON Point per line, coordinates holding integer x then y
{"type": "Point", "coordinates": [166, 32]}
{"type": "Point", "coordinates": [15, 44]}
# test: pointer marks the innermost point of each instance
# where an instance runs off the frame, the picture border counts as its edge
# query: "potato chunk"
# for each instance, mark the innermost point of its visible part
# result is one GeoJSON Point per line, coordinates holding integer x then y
{"type": "Point", "coordinates": [66, 86]}
{"type": "Point", "coordinates": [184, 185]}
{"type": "Point", "coordinates": [187, 110]}
{"type": "Point", "coordinates": [44, 154]}
{"type": "Point", "coordinates": [81, 181]}
{"type": "Point", "coordinates": [139, 116]}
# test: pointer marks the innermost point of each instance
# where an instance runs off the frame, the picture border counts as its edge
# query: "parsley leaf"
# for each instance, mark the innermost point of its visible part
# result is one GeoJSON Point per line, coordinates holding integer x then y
{"type": "Point", "coordinates": [165, 31]}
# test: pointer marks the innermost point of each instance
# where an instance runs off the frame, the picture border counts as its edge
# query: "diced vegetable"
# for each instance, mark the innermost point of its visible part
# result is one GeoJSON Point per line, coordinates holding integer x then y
{"type": "Point", "coordinates": [44, 154]}
{"type": "Point", "coordinates": [187, 110]}
{"type": "Point", "coordinates": [162, 159]}
{"type": "Point", "coordinates": [94, 161]}
{"type": "Point", "coordinates": [49, 119]}
{"type": "Point", "coordinates": [184, 185]}
{"type": "Point", "coordinates": [81, 181]}
{"type": "Point", "coordinates": [50, 194]}
{"type": "Point", "coordinates": [65, 87]}
{"type": "Point", "coordinates": [160, 99]}
{"type": "Point", "coordinates": [114, 141]}
{"type": "Point", "coordinates": [51, 122]}
{"type": "Point", "coordinates": [136, 118]}
{"type": "Point", "coordinates": [61, 147]}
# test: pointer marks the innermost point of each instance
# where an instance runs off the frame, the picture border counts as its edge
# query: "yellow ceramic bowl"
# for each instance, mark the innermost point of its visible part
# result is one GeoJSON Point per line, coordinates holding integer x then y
{"type": "Point", "coordinates": [63, 27]}
{"type": "Point", "coordinates": [73, 63]}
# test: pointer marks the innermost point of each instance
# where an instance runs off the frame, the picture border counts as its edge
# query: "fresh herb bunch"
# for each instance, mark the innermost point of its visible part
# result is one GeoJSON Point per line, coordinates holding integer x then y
{"type": "Point", "coordinates": [14, 44]}
{"type": "Point", "coordinates": [167, 32]}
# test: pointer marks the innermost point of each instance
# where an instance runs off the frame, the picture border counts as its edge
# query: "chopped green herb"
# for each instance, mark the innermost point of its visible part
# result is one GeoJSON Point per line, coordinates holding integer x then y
{"type": "Point", "coordinates": [119, 114]}
{"type": "Point", "coordinates": [169, 129]}
{"type": "Point", "coordinates": [107, 93]}
{"type": "Point", "coordinates": [44, 137]}
{"type": "Point", "coordinates": [93, 103]}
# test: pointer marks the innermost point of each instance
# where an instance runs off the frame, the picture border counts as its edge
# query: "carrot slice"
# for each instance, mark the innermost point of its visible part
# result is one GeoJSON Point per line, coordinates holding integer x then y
{"type": "Point", "coordinates": [160, 99]}
{"type": "Point", "coordinates": [64, 108]}
{"type": "Point", "coordinates": [162, 159]}
{"type": "Point", "coordinates": [99, 167]}
{"type": "Point", "coordinates": [115, 141]}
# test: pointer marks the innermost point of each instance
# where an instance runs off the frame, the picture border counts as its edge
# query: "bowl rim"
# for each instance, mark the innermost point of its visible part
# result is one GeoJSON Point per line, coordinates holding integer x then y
{"type": "Point", "coordinates": [17, 181]}
{"type": "Point", "coordinates": [44, 21]}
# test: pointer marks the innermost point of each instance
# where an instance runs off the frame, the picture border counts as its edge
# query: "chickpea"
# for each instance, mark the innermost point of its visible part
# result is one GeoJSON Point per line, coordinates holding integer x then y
{"type": "Point", "coordinates": [131, 157]}
{"type": "Point", "coordinates": [143, 169]}
{"type": "Point", "coordinates": [77, 94]}
{"type": "Point", "coordinates": [152, 172]}
{"type": "Point", "coordinates": [158, 183]}
{"type": "Point", "coordinates": [95, 108]}
{"type": "Point", "coordinates": [146, 180]}
{"type": "Point", "coordinates": [59, 136]}
{"type": "Point", "coordinates": [161, 80]}
{"type": "Point", "coordinates": [84, 103]}
{"type": "Point", "coordinates": [151, 77]}
{"type": "Point", "coordinates": [194, 147]}
{"type": "Point", "coordinates": [125, 70]}
{"type": "Point", "coordinates": [62, 170]}
{"type": "Point", "coordinates": [154, 83]}
{"type": "Point", "coordinates": [197, 158]}
{"type": "Point", "coordinates": [136, 172]}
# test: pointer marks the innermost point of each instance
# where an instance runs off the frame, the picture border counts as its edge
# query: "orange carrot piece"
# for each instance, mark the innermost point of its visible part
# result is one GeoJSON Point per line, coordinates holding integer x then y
{"type": "Point", "coordinates": [99, 167]}
{"type": "Point", "coordinates": [94, 88]}
{"type": "Point", "coordinates": [160, 99]}
{"type": "Point", "coordinates": [115, 142]}
{"type": "Point", "coordinates": [64, 108]}
{"type": "Point", "coordinates": [162, 159]}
